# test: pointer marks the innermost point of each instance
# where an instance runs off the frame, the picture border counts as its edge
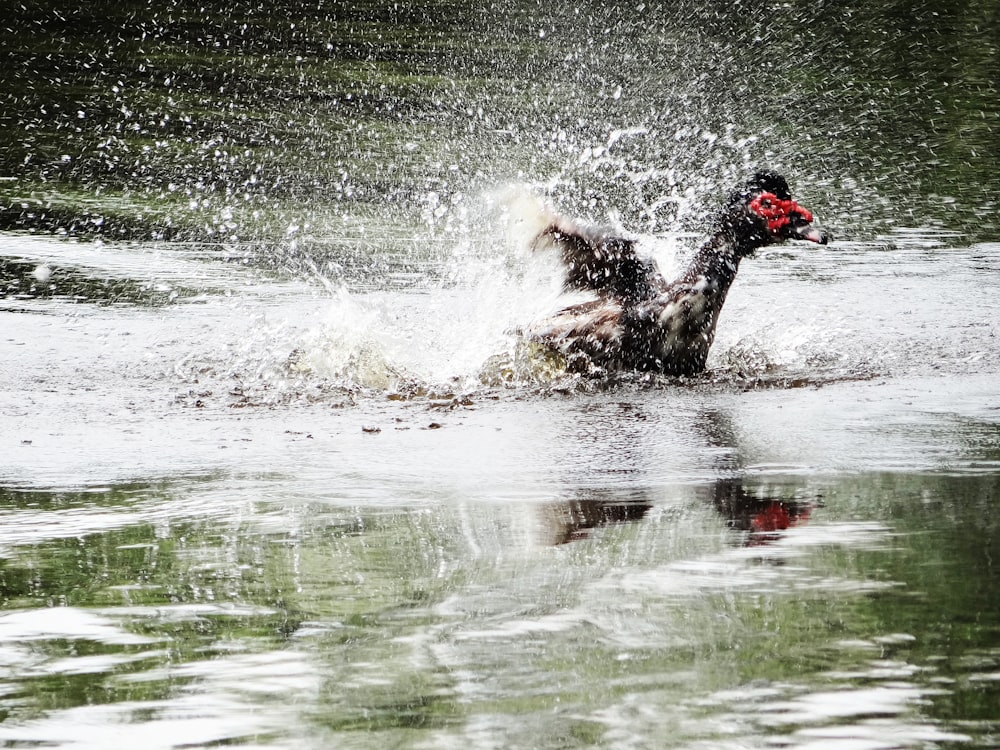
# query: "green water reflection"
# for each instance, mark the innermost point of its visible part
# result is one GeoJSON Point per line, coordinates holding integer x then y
{"type": "Point", "coordinates": [863, 604]}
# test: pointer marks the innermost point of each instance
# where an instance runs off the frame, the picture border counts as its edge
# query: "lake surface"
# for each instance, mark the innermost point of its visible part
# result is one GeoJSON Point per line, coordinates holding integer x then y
{"type": "Point", "coordinates": [275, 470]}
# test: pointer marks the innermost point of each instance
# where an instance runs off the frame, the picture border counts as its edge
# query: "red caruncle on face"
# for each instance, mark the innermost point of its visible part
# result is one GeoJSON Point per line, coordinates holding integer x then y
{"type": "Point", "coordinates": [777, 211]}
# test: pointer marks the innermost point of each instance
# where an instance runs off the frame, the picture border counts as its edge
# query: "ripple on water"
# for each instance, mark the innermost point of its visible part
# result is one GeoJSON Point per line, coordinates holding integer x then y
{"type": "Point", "coordinates": [867, 717]}
{"type": "Point", "coordinates": [885, 716]}
{"type": "Point", "coordinates": [231, 696]}
{"type": "Point", "coordinates": [739, 569]}
{"type": "Point", "coordinates": [70, 623]}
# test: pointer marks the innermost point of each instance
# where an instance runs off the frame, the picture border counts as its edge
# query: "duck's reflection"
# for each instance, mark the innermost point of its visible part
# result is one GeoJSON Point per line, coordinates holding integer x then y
{"type": "Point", "coordinates": [616, 441]}
{"type": "Point", "coordinates": [757, 515]}
{"type": "Point", "coordinates": [574, 519]}
{"type": "Point", "coordinates": [760, 517]}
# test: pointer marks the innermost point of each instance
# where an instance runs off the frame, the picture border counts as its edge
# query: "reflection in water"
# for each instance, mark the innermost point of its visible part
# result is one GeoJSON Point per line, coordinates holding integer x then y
{"type": "Point", "coordinates": [615, 440]}
{"type": "Point", "coordinates": [763, 517]}
{"type": "Point", "coordinates": [573, 520]}
{"type": "Point", "coordinates": [286, 624]}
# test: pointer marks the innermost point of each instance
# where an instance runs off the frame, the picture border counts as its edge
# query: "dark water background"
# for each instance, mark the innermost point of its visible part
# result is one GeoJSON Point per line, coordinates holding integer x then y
{"type": "Point", "coordinates": [231, 120]}
{"type": "Point", "coordinates": [261, 486]}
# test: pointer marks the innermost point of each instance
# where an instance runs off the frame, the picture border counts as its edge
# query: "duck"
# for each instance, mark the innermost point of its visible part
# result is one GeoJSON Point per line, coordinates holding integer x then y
{"type": "Point", "coordinates": [637, 320]}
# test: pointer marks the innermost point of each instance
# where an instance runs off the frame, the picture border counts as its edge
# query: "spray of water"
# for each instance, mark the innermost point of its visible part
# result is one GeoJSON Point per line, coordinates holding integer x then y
{"type": "Point", "coordinates": [439, 335]}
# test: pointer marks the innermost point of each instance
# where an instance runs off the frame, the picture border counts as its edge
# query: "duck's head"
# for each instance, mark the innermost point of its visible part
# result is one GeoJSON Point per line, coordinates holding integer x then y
{"type": "Point", "coordinates": [763, 212]}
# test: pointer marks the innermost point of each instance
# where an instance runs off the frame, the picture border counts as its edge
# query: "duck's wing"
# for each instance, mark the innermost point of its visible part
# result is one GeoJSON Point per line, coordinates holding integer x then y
{"type": "Point", "coordinates": [593, 328]}
{"type": "Point", "coordinates": [598, 260]}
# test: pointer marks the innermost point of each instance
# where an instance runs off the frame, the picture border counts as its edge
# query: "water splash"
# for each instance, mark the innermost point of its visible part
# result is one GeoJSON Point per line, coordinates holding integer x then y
{"type": "Point", "coordinates": [490, 284]}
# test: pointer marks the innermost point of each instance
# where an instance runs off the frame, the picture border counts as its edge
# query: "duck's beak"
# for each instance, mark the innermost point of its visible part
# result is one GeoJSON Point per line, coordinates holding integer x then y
{"type": "Point", "coordinates": [804, 230]}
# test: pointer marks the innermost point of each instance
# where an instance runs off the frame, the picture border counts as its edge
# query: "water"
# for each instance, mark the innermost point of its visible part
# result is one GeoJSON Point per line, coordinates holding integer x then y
{"type": "Point", "coordinates": [275, 474]}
